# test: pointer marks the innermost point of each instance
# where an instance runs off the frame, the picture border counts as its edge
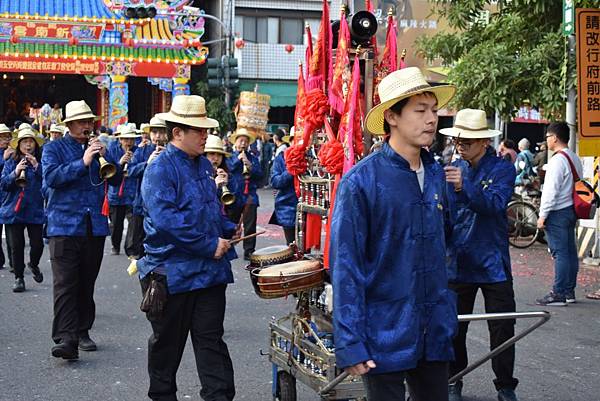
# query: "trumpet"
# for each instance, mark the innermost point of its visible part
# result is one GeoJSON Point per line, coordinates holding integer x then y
{"type": "Point", "coordinates": [227, 197]}
{"type": "Point", "coordinates": [245, 170]}
{"type": "Point", "coordinates": [107, 169]}
{"type": "Point", "coordinates": [127, 149]}
{"type": "Point", "coordinates": [21, 180]}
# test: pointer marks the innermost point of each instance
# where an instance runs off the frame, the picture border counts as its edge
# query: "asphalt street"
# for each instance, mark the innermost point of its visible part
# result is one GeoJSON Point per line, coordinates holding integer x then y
{"type": "Point", "coordinates": [558, 362]}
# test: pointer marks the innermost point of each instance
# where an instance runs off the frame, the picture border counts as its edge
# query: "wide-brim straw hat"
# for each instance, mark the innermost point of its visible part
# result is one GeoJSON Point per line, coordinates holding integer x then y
{"type": "Point", "coordinates": [189, 110]}
{"type": "Point", "coordinates": [78, 110]}
{"type": "Point", "coordinates": [145, 127]}
{"type": "Point", "coordinates": [214, 144]}
{"type": "Point", "coordinates": [57, 128]}
{"type": "Point", "coordinates": [288, 138]}
{"type": "Point", "coordinates": [4, 129]}
{"type": "Point", "coordinates": [243, 132]}
{"type": "Point", "coordinates": [399, 85]}
{"type": "Point", "coordinates": [156, 122]}
{"type": "Point", "coordinates": [23, 133]}
{"type": "Point", "coordinates": [127, 131]}
{"type": "Point", "coordinates": [470, 124]}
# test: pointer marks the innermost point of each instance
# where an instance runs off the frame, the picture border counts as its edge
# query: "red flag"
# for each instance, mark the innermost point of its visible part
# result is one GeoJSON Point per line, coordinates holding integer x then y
{"type": "Point", "coordinates": [389, 60]}
{"type": "Point", "coordinates": [309, 50]}
{"type": "Point", "coordinates": [336, 90]}
{"type": "Point", "coordinates": [299, 112]}
{"type": "Point", "coordinates": [320, 63]}
{"type": "Point", "coordinates": [350, 129]}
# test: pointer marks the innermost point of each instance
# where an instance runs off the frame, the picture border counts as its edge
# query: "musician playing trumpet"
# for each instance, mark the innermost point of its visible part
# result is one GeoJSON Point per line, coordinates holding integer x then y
{"type": "Point", "coordinates": [77, 227]}
{"type": "Point", "coordinates": [216, 154]}
{"type": "Point", "coordinates": [121, 196]}
{"type": "Point", "coordinates": [146, 152]}
{"type": "Point", "coordinates": [23, 205]}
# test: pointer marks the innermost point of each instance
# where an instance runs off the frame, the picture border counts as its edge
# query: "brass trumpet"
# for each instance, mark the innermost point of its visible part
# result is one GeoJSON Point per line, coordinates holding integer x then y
{"type": "Point", "coordinates": [107, 170]}
{"type": "Point", "coordinates": [21, 180]}
{"type": "Point", "coordinates": [227, 197]}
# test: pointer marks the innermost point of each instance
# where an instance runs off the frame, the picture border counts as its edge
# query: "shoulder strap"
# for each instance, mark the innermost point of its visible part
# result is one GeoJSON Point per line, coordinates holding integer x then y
{"type": "Point", "coordinates": [573, 170]}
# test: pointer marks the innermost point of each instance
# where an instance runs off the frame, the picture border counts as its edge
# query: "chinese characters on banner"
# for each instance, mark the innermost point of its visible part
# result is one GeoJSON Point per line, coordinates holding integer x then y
{"type": "Point", "coordinates": [55, 30]}
{"type": "Point", "coordinates": [588, 72]}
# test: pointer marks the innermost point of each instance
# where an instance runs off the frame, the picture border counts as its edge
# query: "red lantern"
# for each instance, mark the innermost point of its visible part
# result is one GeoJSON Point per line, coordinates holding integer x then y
{"type": "Point", "coordinates": [185, 43]}
{"type": "Point", "coordinates": [240, 43]}
{"type": "Point", "coordinates": [73, 41]}
{"type": "Point", "coordinates": [14, 39]}
{"type": "Point", "coordinates": [289, 48]}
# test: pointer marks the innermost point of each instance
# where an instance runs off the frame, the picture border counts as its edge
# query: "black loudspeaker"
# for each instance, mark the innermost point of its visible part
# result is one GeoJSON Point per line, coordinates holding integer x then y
{"type": "Point", "coordinates": [142, 13]}
{"type": "Point", "coordinates": [151, 12]}
{"type": "Point", "coordinates": [130, 13]}
{"type": "Point", "coordinates": [335, 33]}
{"type": "Point", "coordinates": [363, 25]}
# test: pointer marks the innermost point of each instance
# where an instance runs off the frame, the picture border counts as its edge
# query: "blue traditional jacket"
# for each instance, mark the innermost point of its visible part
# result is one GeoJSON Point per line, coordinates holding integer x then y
{"type": "Point", "coordinates": [2, 161]}
{"type": "Point", "coordinates": [286, 199]}
{"type": "Point", "coordinates": [388, 262]}
{"type": "Point", "coordinates": [74, 190]}
{"type": "Point", "coordinates": [136, 169]}
{"type": "Point", "coordinates": [129, 185]}
{"type": "Point", "coordinates": [237, 182]}
{"type": "Point", "coordinates": [479, 238]}
{"type": "Point", "coordinates": [31, 205]}
{"type": "Point", "coordinates": [183, 221]}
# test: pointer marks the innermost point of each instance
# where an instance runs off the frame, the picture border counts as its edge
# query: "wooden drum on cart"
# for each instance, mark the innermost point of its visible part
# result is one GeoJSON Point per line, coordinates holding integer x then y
{"type": "Point", "coordinates": [271, 255]}
{"type": "Point", "coordinates": [284, 279]}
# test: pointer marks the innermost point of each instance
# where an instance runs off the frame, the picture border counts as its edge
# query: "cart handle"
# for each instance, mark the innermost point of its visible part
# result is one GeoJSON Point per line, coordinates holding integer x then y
{"type": "Point", "coordinates": [544, 316]}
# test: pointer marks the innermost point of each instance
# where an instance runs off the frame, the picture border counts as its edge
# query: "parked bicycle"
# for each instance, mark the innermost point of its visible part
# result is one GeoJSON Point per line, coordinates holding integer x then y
{"type": "Point", "coordinates": [523, 213]}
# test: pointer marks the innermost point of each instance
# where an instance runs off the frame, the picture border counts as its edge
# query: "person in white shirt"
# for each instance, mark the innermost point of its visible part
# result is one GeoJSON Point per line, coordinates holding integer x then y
{"type": "Point", "coordinates": [280, 144]}
{"type": "Point", "coordinates": [557, 215]}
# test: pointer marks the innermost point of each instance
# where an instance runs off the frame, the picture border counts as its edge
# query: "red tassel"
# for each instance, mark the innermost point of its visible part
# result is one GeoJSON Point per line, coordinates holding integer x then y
{"type": "Point", "coordinates": [246, 186]}
{"type": "Point", "coordinates": [121, 187]}
{"type": "Point", "coordinates": [313, 232]}
{"type": "Point", "coordinates": [105, 207]}
{"type": "Point", "coordinates": [19, 201]}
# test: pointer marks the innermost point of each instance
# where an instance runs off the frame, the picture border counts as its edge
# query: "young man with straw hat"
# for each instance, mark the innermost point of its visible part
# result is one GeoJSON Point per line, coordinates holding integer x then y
{"type": "Point", "coordinates": [77, 227]}
{"type": "Point", "coordinates": [5, 137]}
{"type": "Point", "coordinates": [394, 316]}
{"type": "Point", "coordinates": [481, 185]}
{"type": "Point", "coordinates": [56, 132]}
{"type": "Point", "coordinates": [122, 196]}
{"type": "Point", "coordinates": [245, 175]}
{"type": "Point", "coordinates": [144, 154]}
{"type": "Point", "coordinates": [187, 257]}
{"type": "Point", "coordinates": [22, 207]}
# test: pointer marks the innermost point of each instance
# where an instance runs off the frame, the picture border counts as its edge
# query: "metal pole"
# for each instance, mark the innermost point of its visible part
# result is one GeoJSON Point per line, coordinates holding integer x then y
{"type": "Point", "coordinates": [368, 56]}
{"type": "Point", "coordinates": [571, 112]}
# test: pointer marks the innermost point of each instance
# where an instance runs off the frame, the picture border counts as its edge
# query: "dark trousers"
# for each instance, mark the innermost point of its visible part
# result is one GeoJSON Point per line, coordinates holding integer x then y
{"type": "Point", "coordinates": [427, 382]}
{"type": "Point", "coordinates": [17, 245]}
{"type": "Point", "coordinates": [249, 222]}
{"type": "Point", "coordinates": [498, 297]}
{"type": "Point", "coordinates": [290, 234]}
{"type": "Point", "coordinates": [75, 265]}
{"type": "Point", "coordinates": [135, 236]}
{"type": "Point", "coordinates": [118, 214]}
{"type": "Point", "coordinates": [201, 313]}
{"type": "Point", "coordinates": [4, 259]}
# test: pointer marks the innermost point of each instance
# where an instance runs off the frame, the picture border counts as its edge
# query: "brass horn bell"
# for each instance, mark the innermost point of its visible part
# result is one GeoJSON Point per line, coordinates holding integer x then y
{"type": "Point", "coordinates": [107, 170]}
{"type": "Point", "coordinates": [21, 180]}
{"type": "Point", "coordinates": [227, 197]}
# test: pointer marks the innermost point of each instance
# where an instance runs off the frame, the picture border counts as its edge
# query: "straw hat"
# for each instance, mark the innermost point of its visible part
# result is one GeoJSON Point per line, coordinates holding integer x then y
{"type": "Point", "coordinates": [156, 122]}
{"type": "Point", "coordinates": [127, 131]}
{"type": "Point", "coordinates": [57, 128]}
{"type": "Point", "coordinates": [145, 127]}
{"type": "Point", "coordinates": [23, 133]}
{"type": "Point", "coordinates": [399, 85]}
{"type": "Point", "coordinates": [214, 144]}
{"type": "Point", "coordinates": [243, 132]}
{"type": "Point", "coordinates": [189, 110]}
{"type": "Point", "coordinates": [470, 124]}
{"type": "Point", "coordinates": [4, 129]}
{"type": "Point", "coordinates": [78, 110]}
{"type": "Point", "coordinates": [288, 138]}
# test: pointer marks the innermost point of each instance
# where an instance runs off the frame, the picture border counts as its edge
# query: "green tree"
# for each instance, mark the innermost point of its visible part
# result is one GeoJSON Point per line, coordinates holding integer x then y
{"type": "Point", "coordinates": [517, 53]}
{"type": "Point", "coordinates": [215, 106]}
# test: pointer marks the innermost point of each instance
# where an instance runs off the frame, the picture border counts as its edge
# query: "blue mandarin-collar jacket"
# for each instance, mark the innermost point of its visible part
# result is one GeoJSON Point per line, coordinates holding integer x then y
{"type": "Point", "coordinates": [237, 181]}
{"type": "Point", "coordinates": [479, 238]}
{"type": "Point", "coordinates": [74, 190]}
{"type": "Point", "coordinates": [286, 199]}
{"type": "Point", "coordinates": [31, 209]}
{"type": "Point", "coordinates": [136, 169]}
{"type": "Point", "coordinates": [387, 255]}
{"type": "Point", "coordinates": [130, 184]}
{"type": "Point", "coordinates": [2, 161]}
{"type": "Point", "coordinates": [183, 222]}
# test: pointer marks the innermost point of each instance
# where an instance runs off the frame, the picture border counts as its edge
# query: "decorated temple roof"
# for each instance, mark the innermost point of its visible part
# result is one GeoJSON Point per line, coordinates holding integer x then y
{"type": "Point", "coordinates": [79, 8]}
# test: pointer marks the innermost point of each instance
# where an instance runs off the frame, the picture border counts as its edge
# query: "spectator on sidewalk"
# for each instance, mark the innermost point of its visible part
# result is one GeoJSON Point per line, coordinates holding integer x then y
{"type": "Point", "coordinates": [557, 216]}
{"type": "Point", "coordinates": [507, 150]}
{"type": "Point", "coordinates": [524, 163]}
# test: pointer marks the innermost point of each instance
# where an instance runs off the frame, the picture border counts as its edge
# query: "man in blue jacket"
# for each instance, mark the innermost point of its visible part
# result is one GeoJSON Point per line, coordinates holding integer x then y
{"type": "Point", "coordinates": [394, 316]}
{"type": "Point", "coordinates": [187, 252]}
{"type": "Point", "coordinates": [482, 186]}
{"type": "Point", "coordinates": [77, 228]}
{"type": "Point", "coordinates": [5, 137]}
{"type": "Point", "coordinates": [286, 200]}
{"type": "Point", "coordinates": [121, 196]}
{"type": "Point", "coordinates": [145, 153]}
{"type": "Point", "coordinates": [245, 175]}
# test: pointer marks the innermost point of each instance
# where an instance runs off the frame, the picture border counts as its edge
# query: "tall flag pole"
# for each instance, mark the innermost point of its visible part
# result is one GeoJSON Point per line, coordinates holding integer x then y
{"type": "Point", "coordinates": [350, 128]}
{"type": "Point", "coordinates": [320, 63]}
{"type": "Point", "coordinates": [342, 61]}
{"type": "Point", "coordinates": [309, 50]}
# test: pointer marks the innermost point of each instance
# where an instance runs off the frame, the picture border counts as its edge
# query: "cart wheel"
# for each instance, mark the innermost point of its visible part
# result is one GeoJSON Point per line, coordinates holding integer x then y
{"type": "Point", "coordinates": [286, 384]}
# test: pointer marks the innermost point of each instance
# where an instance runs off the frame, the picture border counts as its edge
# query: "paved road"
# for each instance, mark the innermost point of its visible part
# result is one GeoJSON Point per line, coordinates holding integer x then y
{"type": "Point", "coordinates": [559, 362]}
